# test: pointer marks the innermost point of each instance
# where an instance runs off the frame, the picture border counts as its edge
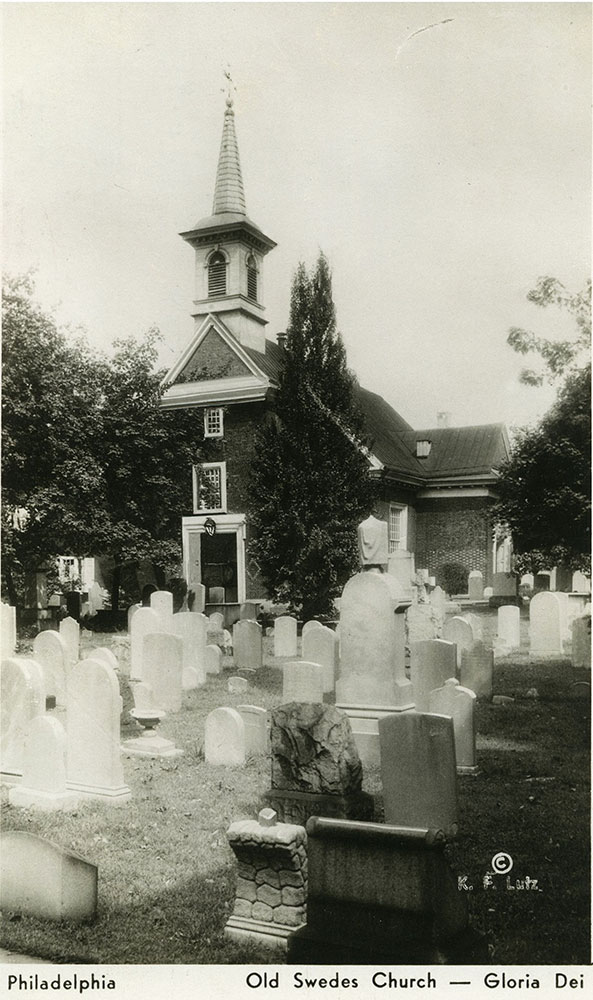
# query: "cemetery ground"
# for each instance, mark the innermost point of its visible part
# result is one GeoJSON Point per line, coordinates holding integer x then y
{"type": "Point", "coordinates": [167, 874]}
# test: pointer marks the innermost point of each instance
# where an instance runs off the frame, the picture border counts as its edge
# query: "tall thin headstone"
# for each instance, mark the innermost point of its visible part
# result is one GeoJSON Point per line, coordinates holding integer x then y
{"type": "Point", "coordinates": [285, 636]}
{"type": "Point", "coordinates": [581, 642]}
{"type": "Point", "coordinates": [51, 652]}
{"type": "Point", "coordinates": [145, 622]}
{"type": "Point", "coordinates": [475, 672]}
{"type": "Point", "coordinates": [161, 602]}
{"type": "Point", "coordinates": [22, 698]}
{"type": "Point", "coordinates": [320, 645]}
{"type": "Point", "coordinates": [247, 645]}
{"type": "Point", "coordinates": [475, 585]}
{"type": "Point", "coordinates": [7, 630]}
{"type": "Point", "coordinates": [432, 662]}
{"type": "Point", "coordinates": [163, 669]}
{"type": "Point", "coordinates": [459, 703]}
{"type": "Point", "coordinates": [459, 631]}
{"type": "Point", "coordinates": [255, 720]}
{"type": "Point", "coordinates": [224, 742]}
{"type": "Point", "coordinates": [508, 634]}
{"type": "Point", "coordinates": [44, 768]}
{"type": "Point", "coordinates": [545, 625]}
{"type": "Point", "coordinates": [70, 632]}
{"type": "Point", "coordinates": [191, 628]}
{"type": "Point", "coordinates": [302, 682]}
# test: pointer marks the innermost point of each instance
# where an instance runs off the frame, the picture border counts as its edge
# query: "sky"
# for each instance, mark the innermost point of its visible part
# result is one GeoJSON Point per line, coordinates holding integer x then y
{"type": "Point", "coordinates": [441, 171]}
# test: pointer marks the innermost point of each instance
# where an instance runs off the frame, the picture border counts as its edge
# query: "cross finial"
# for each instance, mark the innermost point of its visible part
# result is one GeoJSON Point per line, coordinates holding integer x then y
{"type": "Point", "coordinates": [230, 86]}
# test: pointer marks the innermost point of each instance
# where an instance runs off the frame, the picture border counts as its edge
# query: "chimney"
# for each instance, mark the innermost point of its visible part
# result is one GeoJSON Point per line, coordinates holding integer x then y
{"type": "Point", "coordinates": [443, 418]}
{"type": "Point", "coordinates": [281, 339]}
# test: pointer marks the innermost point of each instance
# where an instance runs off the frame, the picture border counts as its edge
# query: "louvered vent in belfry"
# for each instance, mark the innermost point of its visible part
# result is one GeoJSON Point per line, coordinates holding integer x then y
{"type": "Point", "coordinates": [217, 275]}
{"type": "Point", "coordinates": [251, 278]}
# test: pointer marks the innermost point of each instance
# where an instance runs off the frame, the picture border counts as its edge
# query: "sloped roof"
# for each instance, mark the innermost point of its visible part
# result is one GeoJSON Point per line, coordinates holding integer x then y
{"type": "Point", "coordinates": [228, 192]}
{"type": "Point", "coordinates": [456, 451]}
{"type": "Point", "coordinates": [384, 428]}
{"type": "Point", "coordinates": [270, 363]}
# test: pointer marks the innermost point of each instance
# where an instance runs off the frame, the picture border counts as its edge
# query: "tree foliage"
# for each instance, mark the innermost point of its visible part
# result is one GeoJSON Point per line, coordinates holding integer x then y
{"type": "Point", "coordinates": [310, 485]}
{"type": "Point", "coordinates": [545, 485]}
{"type": "Point", "coordinates": [91, 464]}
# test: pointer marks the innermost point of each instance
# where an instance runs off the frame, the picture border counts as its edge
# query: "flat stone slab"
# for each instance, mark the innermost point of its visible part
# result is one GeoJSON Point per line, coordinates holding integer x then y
{"type": "Point", "coordinates": [40, 879]}
{"type": "Point", "coordinates": [298, 807]}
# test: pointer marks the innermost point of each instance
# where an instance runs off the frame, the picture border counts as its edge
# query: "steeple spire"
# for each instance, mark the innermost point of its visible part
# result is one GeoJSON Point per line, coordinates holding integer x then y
{"type": "Point", "coordinates": [228, 193]}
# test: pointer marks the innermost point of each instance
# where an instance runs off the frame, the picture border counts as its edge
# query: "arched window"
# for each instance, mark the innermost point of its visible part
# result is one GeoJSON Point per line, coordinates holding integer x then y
{"type": "Point", "coordinates": [217, 274]}
{"type": "Point", "coordinates": [251, 278]}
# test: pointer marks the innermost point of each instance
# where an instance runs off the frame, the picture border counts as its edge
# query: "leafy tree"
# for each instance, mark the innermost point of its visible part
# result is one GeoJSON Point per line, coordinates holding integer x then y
{"type": "Point", "coordinates": [310, 484]}
{"type": "Point", "coordinates": [545, 485]}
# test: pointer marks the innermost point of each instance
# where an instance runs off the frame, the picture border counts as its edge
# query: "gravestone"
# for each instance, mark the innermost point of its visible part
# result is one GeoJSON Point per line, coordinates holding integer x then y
{"type": "Point", "coordinates": [432, 662]}
{"type": "Point", "coordinates": [255, 720]}
{"type": "Point", "coordinates": [216, 620]}
{"type": "Point", "coordinates": [191, 629]}
{"type": "Point", "coordinates": [93, 710]}
{"type": "Point", "coordinates": [143, 696]}
{"type": "Point", "coordinates": [131, 612]}
{"type": "Point", "coordinates": [285, 636]}
{"type": "Point", "coordinates": [163, 669]}
{"type": "Point", "coordinates": [372, 680]}
{"type": "Point", "coordinates": [161, 602]}
{"type": "Point", "coordinates": [475, 672]}
{"type": "Point", "coordinates": [104, 654]}
{"type": "Point", "coordinates": [438, 600]}
{"type": "Point", "coordinates": [459, 631]}
{"type": "Point", "coordinates": [400, 565]}
{"type": "Point", "coordinates": [581, 642]}
{"type": "Point", "coordinates": [383, 896]}
{"type": "Point", "coordinates": [237, 685]}
{"type": "Point", "coordinates": [475, 622]}
{"type": "Point", "coordinates": [52, 654]}
{"type": "Point", "coordinates": [459, 703]}
{"type": "Point", "coordinates": [312, 623]}
{"type": "Point", "coordinates": [580, 583]}
{"type": "Point", "coordinates": [302, 681]}
{"type": "Point", "coordinates": [475, 585]}
{"type": "Point", "coordinates": [488, 593]}
{"type": "Point", "coordinates": [43, 785]}
{"type": "Point", "coordinates": [541, 581]}
{"type": "Point", "coordinates": [196, 598]}
{"type": "Point", "coordinates": [40, 879]}
{"type": "Point", "coordinates": [504, 585]}
{"type": "Point", "coordinates": [96, 601]}
{"type": "Point", "coordinates": [22, 698]}
{"type": "Point", "coordinates": [145, 622]}
{"type": "Point", "coordinates": [249, 610]}
{"type": "Point", "coordinates": [247, 645]}
{"type": "Point", "coordinates": [7, 630]}
{"type": "Point", "coordinates": [224, 741]}
{"type": "Point", "coordinates": [271, 888]}
{"type": "Point", "coordinates": [418, 771]}
{"type": "Point", "coordinates": [508, 634]}
{"type": "Point", "coordinates": [316, 769]}
{"type": "Point", "coordinates": [320, 645]}
{"type": "Point", "coordinates": [421, 623]}
{"type": "Point", "coordinates": [545, 625]}
{"type": "Point", "coordinates": [562, 598]}
{"type": "Point", "coordinates": [213, 659]}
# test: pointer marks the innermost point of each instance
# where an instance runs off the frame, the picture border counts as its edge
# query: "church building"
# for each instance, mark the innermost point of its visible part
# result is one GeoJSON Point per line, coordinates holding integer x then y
{"type": "Point", "coordinates": [435, 487]}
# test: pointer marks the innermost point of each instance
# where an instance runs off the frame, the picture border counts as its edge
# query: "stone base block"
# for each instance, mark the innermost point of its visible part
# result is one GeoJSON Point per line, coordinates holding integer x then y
{"type": "Point", "coordinates": [298, 807]}
{"type": "Point", "coordinates": [114, 796]}
{"type": "Point", "coordinates": [47, 801]}
{"type": "Point", "coordinates": [271, 935]}
{"type": "Point", "coordinates": [153, 746]}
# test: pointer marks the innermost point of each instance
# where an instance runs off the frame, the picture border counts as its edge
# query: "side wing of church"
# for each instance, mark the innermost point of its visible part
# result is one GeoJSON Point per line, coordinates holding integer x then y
{"type": "Point", "coordinates": [435, 487]}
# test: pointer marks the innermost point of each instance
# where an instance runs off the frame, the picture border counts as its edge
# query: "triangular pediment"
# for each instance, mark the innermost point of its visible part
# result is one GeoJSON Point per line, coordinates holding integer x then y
{"type": "Point", "coordinates": [212, 354]}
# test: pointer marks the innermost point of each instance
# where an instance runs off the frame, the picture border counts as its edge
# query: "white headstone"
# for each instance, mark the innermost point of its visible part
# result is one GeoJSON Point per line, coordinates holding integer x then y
{"type": "Point", "coordinates": [93, 711]}
{"type": "Point", "coordinates": [216, 620]}
{"type": "Point", "coordinates": [7, 629]}
{"type": "Point", "coordinates": [69, 630]}
{"type": "Point", "coordinates": [224, 741]}
{"type": "Point", "coordinates": [302, 682]}
{"type": "Point", "coordinates": [545, 625]}
{"type": "Point", "coordinates": [581, 642]}
{"type": "Point", "coordinates": [320, 645]}
{"type": "Point", "coordinates": [247, 645]}
{"type": "Point", "coordinates": [508, 635]}
{"type": "Point", "coordinates": [144, 622]}
{"type": "Point", "coordinates": [163, 669]}
{"type": "Point", "coordinates": [44, 769]}
{"type": "Point", "coordinates": [51, 652]}
{"type": "Point", "coordinates": [213, 659]}
{"type": "Point", "coordinates": [401, 566]}
{"type": "Point", "coordinates": [191, 628]}
{"type": "Point", "coordinates": [285, 636]}
{"type": "Point", "coordinates": [459, 631]}
{"type": "Point", "coordinates": [237, 685]}
{"type": "Point", "coordinates": [104, 655]}
{"type": "Point", "coordinates": [476, 669]}
{"type": "Point", "coordinates": [438, 600]}
{"type": "Point", "coordinates": [488, 593]}
{"type": "Point", "coordinates": [432, 662]}
{"type": "Point", "coordinates": [475, 585]}
{"type": "Point", "coordinates": [562, 597]}
{"type": "Point", "coordinates": [313, 623]}
{"type": "Point", "coordinates": [22, 698]}
{"type": "Point", "coordinates": [143, 697]}
{"type": "Point", "coordinates": [459, 703]}
{"type": "Point", "coordinates": [161, 602]}
{"type": "Point", "coordinates": [255, 720]}
{"type": "Point", "coordinates": [199, 601]}
{"type": "Point", "coordinates": [131, 612]}
{"type": "Point", "coordinates": [422, 623]}
{"type": "Point", "coordinates": [96, 600]}
{"type": "Point", "coordinates": [580, 583]}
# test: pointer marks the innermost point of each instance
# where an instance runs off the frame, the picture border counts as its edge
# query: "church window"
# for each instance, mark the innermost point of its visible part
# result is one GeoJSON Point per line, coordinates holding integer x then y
{"type": "Point", "coordinates": [213, 422]}
{"type": "Point", "coordinates": [423, 448]}
{"type": "Point", "coordinates": [397, 529]}
{"type": "Point", "coordinates": [210, 488]}
{"type": "Point", "coordinates": [217, 274]}
{"type": "Point", "coordinates": [251, 278]}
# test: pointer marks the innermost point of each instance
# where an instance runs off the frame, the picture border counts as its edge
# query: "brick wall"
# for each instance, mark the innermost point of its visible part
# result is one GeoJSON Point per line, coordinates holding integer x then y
{"type": "Point", "coordinates": [456, 530]}
{"type": "Point", "coordinates": [212, 359]}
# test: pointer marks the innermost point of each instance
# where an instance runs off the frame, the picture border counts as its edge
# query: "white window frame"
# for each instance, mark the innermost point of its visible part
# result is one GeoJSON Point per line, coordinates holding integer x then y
{"type": "Point", "coordinates": [402, 541]}
{"type": "Point", "coordinates": [197, 469]}
{"type": "Point", "coordinates": [209, 412]}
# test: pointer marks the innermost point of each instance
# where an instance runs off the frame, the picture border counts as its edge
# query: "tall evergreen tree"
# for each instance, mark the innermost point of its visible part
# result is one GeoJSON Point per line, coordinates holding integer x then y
{"type": "Point", "coordinates": [310, 480]}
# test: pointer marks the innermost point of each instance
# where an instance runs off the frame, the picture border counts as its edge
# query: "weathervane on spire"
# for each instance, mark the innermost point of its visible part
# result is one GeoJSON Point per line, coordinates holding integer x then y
{"type": "Point", "coordinates": [230, 86]}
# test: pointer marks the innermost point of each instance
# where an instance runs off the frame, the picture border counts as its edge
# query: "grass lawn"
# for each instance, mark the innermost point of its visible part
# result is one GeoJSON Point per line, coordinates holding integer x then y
{"type": "Point", "coordinates": [166, 872]}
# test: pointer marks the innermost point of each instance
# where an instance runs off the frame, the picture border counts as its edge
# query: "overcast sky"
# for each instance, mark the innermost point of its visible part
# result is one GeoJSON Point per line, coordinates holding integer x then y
{"type": "Point", "coordinates": [442, 171]}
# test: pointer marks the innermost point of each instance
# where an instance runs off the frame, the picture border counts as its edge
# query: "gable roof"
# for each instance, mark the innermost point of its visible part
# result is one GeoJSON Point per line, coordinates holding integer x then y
{"type": "Point", "coordinates": [460, 451]}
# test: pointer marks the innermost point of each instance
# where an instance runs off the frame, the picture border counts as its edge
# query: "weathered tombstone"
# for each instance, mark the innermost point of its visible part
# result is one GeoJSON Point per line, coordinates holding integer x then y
{"type": "Point", "coordinates": [488, 593]}
{"type": "Point", "coordinates": [475, 585]}
{"type": "Point", "coordinates": [384, 896]}
{"type": "Point", "coordinates": [7, 630]}
{"type": "Point", "coordinates": [504, 585]}
{"type": "Point", "coordinates": [313, 623]}
{"type": "Point", "coordinates": [285, 636]}
{"type": "Point", "coordinates": [459, 631]}
{"type": "Point", "coordinates": [93, 710]}
{"type": "Point", "coordinates": [508, 635]}
{"type": "Point", "coordinates": [213, 659]}
{"type": "Point", "coordinates": [438, 600]}
{"type": "Point", "coordinates": [103, 654]}
{"type": "Point", "coordinates": [475, 622]}
{"type": "Point", "coordinates": [475, 672]}
{"type": "Point", "coordinates": [541, 582]}
{"type": "Point", "coordinates": [224, 742]}
{"type": "Point", "coordinates": [545, 625]}
{"type": "Point", "coordinates": [216, 620]}
{"type": "Point", "coordinates": [96, 601]}
{"type": "Point", "coordinates": [562, 598]}
{"type": "Point", "coordinates": [302, 682]}
{"type": "Point", "coordinates": [51, 652]}
{"type": "Point", "coordinates": [145, 622]}
{"type": "Point", "coordinates": [143, 696]}
{"type": "Point", "coordinates": [432, 662]}
{"type": "Point", "coordinates": [131, 612]}
{"type": "Point", "coordinates": [196, 598]}
{"type": "Point", "coordinates": [43, 785]}
{"type": "Point", "coordinates": [581, 642]}
{"type": "Point", "coordinates": [22, 698]}
{"type": "Point", "coordinates": [316, 769]}
{"type": "Point", "coordinates": [400, 565]}
{"type": "Point", "coordinates": [271, 889]}
{"type": "Point", "coordinates": [216, 595]}
{"type": "Point", "coordinates": [418, 771]}
{"type": "Point", "coordinates": [249, 610]}
{"type": "Point", "coordinates": [237, 685]}
{"type": "Point", "coordinates": [247, 645]}
{"type": "Point", "coordinates": [161, 602]}
{"type": "Point", "coordinates": [255, 720]}
{"type": "Point", "coordinates": [163, 669]}
{"type": "Point", "coordinates": [320, 645]}
{"type": "Point", "coordinates": [421, 623]}
{"type": "Point", "coordinates": [41, 879]}
{"type": "Point", "coordinates": [191, 629]}
{"type": "Point", "coordinates": [580, 583]}
{"type": "Point", "coordinates": [459, 703]}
